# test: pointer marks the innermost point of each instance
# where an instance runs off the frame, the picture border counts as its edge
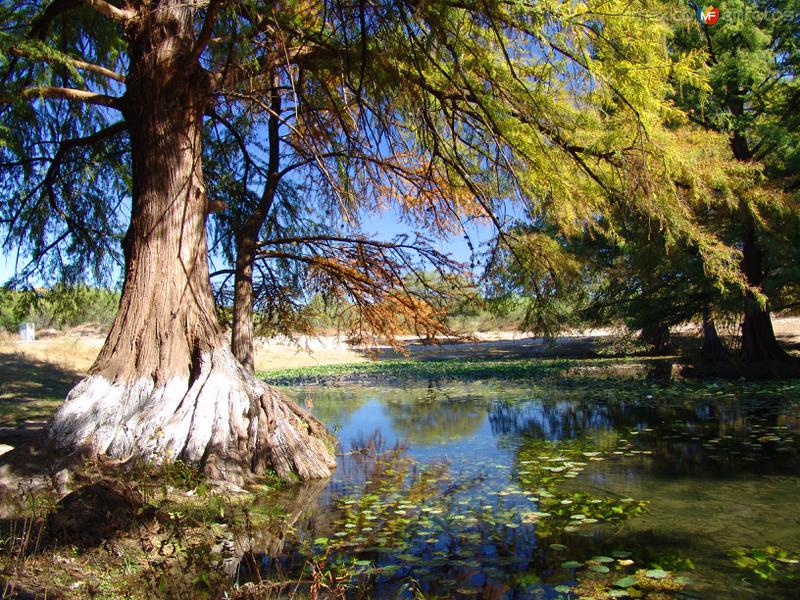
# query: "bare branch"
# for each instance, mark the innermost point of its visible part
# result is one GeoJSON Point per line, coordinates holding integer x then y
{"type": "Point", "coordinates": [58, 7]}
{"type": "Point", "coordinates": [205, 33]}
{"type": "Point", "coordinates": [65, 94]}
{"type": "Point", "coordinates": [78, 64]}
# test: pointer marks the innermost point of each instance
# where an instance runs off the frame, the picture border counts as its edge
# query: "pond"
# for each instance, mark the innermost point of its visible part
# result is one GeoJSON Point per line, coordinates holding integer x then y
{"type": "Point", "coordinates": [592, 484]}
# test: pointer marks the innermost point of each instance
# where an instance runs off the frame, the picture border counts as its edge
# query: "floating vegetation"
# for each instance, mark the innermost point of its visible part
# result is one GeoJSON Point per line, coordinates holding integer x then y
{"type": "Point", "coordinates": [771, 562]}
{"type": "Point", "coordinates": [637, 584]}
{"type": "Point", "coordinates": [444, 528]}
{"type": "Point", "coordinates": [523, 488]}
{"type": "Point", "coordinates": [620, 375]}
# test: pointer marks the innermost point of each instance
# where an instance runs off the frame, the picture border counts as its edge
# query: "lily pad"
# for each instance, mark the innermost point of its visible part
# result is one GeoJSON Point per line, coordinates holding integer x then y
{"type": "Point", "coordinates": [656, 573]}
{"type": "Point", "coordinates": [625, 582]}
{"type": "Point", "coordinates": [563, 589]}
{"type": "Point", "coordinates": [599, 568]}
{"type": "Point", "coordinates": [602, 559]}
{"type": "Point", "coordinates": [571, 564]}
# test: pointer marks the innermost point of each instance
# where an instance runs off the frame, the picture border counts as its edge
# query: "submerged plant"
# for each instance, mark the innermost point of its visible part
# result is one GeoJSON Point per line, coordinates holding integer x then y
{"type": "Point", "coordinates": [771, 562]}
{"type": "Point", "coordinates": [600, 585]}
{"type": "Point", "coordinates": [448, 529]}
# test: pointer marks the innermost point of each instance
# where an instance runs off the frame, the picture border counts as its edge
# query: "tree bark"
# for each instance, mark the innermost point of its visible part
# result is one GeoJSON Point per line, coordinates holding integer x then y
{"type": "Point", "coordinates": [242, 333]}
{"type": "Point", "coordinates": [758, 337]}
{"type": "Point", "coordinates": [712, 348]}
{"type": "Point", "coordinates": [242, 324]}
{"type": "Point", "coordinates": [165, 386]}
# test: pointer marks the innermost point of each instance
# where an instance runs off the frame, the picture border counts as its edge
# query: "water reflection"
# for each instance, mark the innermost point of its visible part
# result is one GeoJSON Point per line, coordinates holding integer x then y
{"type": "Point", "coordinates": [548, 419]}
{"type": "Point", "coordinates": [264, 546]}
{"type": "Point", "coordinates": [492, 488]}
{"type": "Point", "coordinates": [704, 439]}
{"type": "Point", "coordinates": [438, 415]}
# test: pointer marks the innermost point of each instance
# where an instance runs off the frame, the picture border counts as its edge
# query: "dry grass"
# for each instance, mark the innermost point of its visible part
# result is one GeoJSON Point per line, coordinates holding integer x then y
{"type": "Point", "coordinates": [787, 329]}
{"type": "Point", "coordinates": [69, 351]}
{"type": "Point", "coordinates": [278, 354]}
{"type": "Point", "coordinates": [76, 350]}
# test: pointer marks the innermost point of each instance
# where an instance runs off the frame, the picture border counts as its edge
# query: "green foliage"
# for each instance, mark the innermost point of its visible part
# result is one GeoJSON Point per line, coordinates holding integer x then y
{"type": "Point", "coordinates": [58, 307]}
{"type": "Point", "coordinates": [751, 58]}
{"type": "Point", "coordinates": [444, 112]}
{"type": "Point", "coordinates": [726, 147]}
{"type": "Point", "coordinates": [405, 369]}
{"type": "Point", "coordinates": [770, 562]}
{"type": "Point", "coordinates": [14, 308]}
{"type": "Point", "coordinates": [476, 314]}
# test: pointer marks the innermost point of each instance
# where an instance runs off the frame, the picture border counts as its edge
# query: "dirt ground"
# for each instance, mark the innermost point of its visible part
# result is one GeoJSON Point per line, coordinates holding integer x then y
{"type": "Point", "coordinates": [76, 350]}
{"type": "Point", "coordinates": [36, 376]}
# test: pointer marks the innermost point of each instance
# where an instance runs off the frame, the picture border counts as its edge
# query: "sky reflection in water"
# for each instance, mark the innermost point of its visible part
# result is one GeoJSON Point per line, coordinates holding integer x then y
{"type": "Point", "coordinates": [717, 464]}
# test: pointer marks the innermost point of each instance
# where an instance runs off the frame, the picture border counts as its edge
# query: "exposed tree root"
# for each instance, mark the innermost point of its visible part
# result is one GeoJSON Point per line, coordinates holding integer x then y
{"type": "Point", "coordinates": [220, 418]}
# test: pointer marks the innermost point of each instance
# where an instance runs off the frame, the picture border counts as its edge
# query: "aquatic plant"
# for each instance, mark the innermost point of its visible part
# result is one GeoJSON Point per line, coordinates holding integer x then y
{"type": "Point", "coordinates": [770, 562]}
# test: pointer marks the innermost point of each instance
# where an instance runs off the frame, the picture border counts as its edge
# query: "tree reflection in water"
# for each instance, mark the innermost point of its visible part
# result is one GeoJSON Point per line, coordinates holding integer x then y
{"type": "Point", "coordinates": [724, 436]}
{"type": "Point", "coordinates": [572, 448]}
{"type": "Point", "coordinates": [437, 415]}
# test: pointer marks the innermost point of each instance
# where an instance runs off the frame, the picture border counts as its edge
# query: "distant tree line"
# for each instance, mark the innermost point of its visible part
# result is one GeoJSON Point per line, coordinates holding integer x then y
{"type": "Point", "coordinates": [653, 160]}
{"type": "Point", "coordinates": [58, 307]}
{"type": "Point", "coordinates": [462, 310]}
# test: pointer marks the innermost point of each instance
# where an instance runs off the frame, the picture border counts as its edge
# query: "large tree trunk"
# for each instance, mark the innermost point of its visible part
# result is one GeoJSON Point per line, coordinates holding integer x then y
{"type": "Point", "coordinates": [242, 325]}
{"type": "Point", "coordinates": [758, 337]}
{"type": "Point", "coordinates": [247, 240]}
{"type": "Point", "coordinates": [713, 348]}
{"type": "Point", "coordinates": [165, 385]}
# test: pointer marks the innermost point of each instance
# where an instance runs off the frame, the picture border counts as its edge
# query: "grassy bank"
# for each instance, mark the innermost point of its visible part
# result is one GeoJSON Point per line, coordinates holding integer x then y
{"type": "Point", "coordinates": [185, 538]}
{"type": "Point", "coordinates": [468, 369]}
{"type": "Point", "coordinates": [144, 533]}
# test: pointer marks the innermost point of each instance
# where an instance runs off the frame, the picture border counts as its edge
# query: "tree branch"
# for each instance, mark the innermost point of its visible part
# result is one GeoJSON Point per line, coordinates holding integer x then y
{"type": "Point", "coordinates": [356, 241]}
{"type": "Point", "coordinates": [78, 64]}
{"type": "Point", "coordinates": [65, 94]}
{"type": "Point", "coordinates": [237, 136]}
{"type": "Point", "coordinates": [205, 33]}
{"type": "Point", "coordinates": [42, 24]}
{"type": "Point", "coordinates": [109, 10]}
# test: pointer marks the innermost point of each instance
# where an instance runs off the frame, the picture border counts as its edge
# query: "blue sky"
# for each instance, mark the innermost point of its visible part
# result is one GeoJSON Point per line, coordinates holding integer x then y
{"type": "Point", "coordinates": [384, 226]}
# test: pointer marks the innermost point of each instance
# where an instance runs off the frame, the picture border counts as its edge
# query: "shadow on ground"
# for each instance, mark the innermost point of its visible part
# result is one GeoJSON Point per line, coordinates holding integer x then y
{"type": "Point", "coordinates": [30, 390]}
{"type": "Point", "coordinates": [531, 347]}
{"type": "Point", "coordinates": [577, 346]}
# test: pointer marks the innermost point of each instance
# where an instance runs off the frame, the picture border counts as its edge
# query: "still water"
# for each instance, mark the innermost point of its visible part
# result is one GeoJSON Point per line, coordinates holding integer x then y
{"type": "Point", "coordinates": [592, 485]}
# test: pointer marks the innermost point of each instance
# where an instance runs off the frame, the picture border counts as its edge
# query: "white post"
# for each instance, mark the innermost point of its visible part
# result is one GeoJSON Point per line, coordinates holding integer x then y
{"type": "Point", "coordinates": [27, 332]}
